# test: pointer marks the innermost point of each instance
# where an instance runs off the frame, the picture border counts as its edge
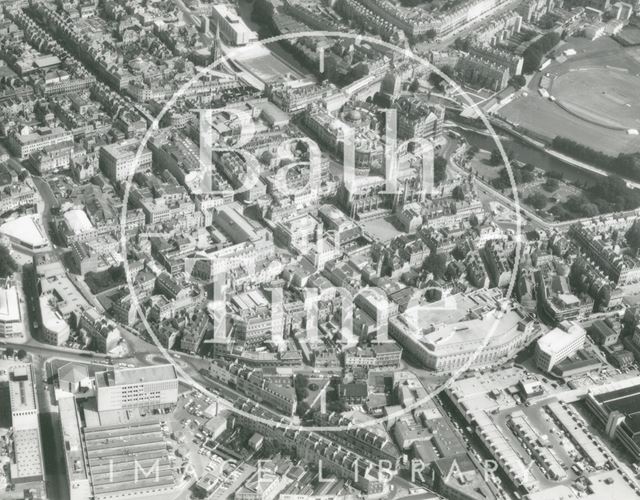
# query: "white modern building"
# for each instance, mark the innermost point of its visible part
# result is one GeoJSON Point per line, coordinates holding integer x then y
{"type": "Point", "coordinates": [232, 28]}
{"type": "Point", "coordinates": [558, 344]}
{"type": "Point", "coordinates": [118, 161]}
{"type": "Point", "coordinates": [26, 465]}
{"type": "Point", "coordinates": [78, 221]}
{"type": "Point", "coordinates": [26, 234]}
{"type": "Point", "coordinates": [463, 332]}
{"type": "Point", "coordinates": [55, 328]}
{"type": "Point", "coordinates": [10, 313]}
{"type": "Point", "coordinates": [146, 387]}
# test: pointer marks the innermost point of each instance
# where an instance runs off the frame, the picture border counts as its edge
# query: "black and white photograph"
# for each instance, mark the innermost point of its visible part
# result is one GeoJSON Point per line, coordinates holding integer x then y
{"type": "Point", "coordinates": [319, 249]}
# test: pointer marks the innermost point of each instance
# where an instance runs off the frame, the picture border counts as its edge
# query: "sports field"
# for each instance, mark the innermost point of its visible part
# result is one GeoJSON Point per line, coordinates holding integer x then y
{"type": "Point", "coordinates": [602, 95]}
{"type": "Point", "coordinates": [597, 95]}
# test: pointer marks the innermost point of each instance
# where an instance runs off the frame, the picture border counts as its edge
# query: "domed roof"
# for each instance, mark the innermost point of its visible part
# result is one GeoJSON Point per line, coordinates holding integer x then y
{"type": "Point", "coordinates": [354, 115]}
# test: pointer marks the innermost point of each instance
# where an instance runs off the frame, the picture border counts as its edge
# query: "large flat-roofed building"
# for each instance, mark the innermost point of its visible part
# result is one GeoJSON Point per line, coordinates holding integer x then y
{"type": "Point", "coordinates": [604, 484]}
{"type": "Point", "coordinates": [77, 475]}
{"type": "Point", "coordinates": [581, 437]}
{"type": "Point", "coordinates": [619, 413]}
{"type": "Point", "coordinates": [466, 332]}
{"type": "Point", "coordinates": [27, 464]}
{"type": "Point", "coordinates": [558, 344]}
{"type": "Point", "coordinates": [232, 28]}
{"type": "Point", "coordinates": [232, 222]}
{"type": "Point", "coordinates": [146, 387]}
{"type": "Point", "coordinates": [117, 161]}
{"type": "Point", "coordinates": [24, 145]}
{"type": "Point", "coordinates": [26, 233]}
{"type": "Point", "coordinates": [78, 221]}
{"type": "Point", "coordinates": [10, 313]}
{"type": "Point", "coordinates": [335, 220]}
{"type": "Point", "coordinates": [128, 460]}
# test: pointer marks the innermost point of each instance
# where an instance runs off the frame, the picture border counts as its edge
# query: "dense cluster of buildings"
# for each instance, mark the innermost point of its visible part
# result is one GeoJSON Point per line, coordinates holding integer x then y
{"type": "Point", "coordinates": [419, 23]}
{"type": "Point", "coordinates": [111, 449]}
{"type": "Point", "coordinates": [488, 67]}
{"type": "Point", "coordinates": [289, 239]}
{"type": "Point", "coordinates": [486, 332]}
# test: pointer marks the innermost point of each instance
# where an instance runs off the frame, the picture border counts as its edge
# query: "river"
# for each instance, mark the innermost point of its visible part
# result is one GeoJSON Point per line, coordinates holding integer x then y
{"type": "Point", "coordinates": [528, 154]}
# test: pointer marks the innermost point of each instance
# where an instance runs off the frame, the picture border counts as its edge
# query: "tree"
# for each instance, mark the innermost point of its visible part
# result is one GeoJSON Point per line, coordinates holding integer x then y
{"type": "Point", "coordinates": [590, 210]}
{"type": "Point", "coordinates": [462, 43]}
{"type": "Point", "coordinates": [453, 271]}
{"type": "Point", "coordinates": [458, 193]}
{"type": "Point", "coordinates": [262, 11]}
{"type": "Point", "coordinates": [525, 175]}
{"type": "Point", "coordinates": [554, 175]}
{"type": "Point", "coordinates": [415, 85]}
{"type": "Point", "coordinates": [436, 80]}
{"type": "Point", "coordinates": [301, 381]}
{"type": "Point", "coordinates": [551, 184]}
{"type": "Point", "coordinates": [633, 236]}
{"type": "Point", "coordinates": [22, 354]}
{"type": "Point", "coordinates": [496, 158]}
{"type": "Point", "coordinates": [8, 266]}
{"type": "Point", "coordinates": [433, 294]}
{"type": "Point", "coordinates": [537, 200]}
{"type": "Point", "coordinates": [628, 165]}
{"type": "Point", "coordinates": [302, 408]}
{"type": "Point", "coordinates": [517, 81]}
{"type": "Point", "coordinates": [436, 264]}
{"type": "Point", "coordinates": [458, 253]}
{"type": "Point", "coordinates": [603, 297]}
{"type": "Point", "coordinates": [536, 51]}
{"type": "Point", "coordinates": [439, 169]}
{"type": "Point", "coordinates": [430, 34]}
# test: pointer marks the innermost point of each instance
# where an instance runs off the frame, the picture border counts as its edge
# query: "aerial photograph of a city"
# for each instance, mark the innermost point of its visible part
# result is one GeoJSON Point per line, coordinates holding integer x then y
{"type": "Point", "coordinates": [320, 249]}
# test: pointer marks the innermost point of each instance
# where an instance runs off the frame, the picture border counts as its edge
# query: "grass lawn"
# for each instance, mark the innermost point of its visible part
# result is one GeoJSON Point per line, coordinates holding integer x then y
{"type": "Point", "coordinates": [480, 164]}
{"type": "Point", "coordinates": [599, 81]}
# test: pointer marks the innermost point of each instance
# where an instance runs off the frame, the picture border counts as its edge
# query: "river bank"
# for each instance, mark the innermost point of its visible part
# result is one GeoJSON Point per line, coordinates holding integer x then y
{"type": "Point", "coordinates": [529, 150]}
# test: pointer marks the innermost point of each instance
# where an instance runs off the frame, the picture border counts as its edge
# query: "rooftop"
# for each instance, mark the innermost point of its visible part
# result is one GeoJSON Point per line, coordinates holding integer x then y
{"type": "Point", "coordinates": [24, 421]}
{"type": "Point", "coordinates": [557, 339]}
{"type": "Point", "coordinates": [70, 423]}
{"type": "Point", "coordinates": [9, 304]}
{"type": "Point", "coordinates": [78, 221]}
{"type": "Point", "coordinates": [126, 376]}
{"type": "Point", "coordinates": [131, 446]}
{"type": "Point", "coordinates": [26, 229]}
